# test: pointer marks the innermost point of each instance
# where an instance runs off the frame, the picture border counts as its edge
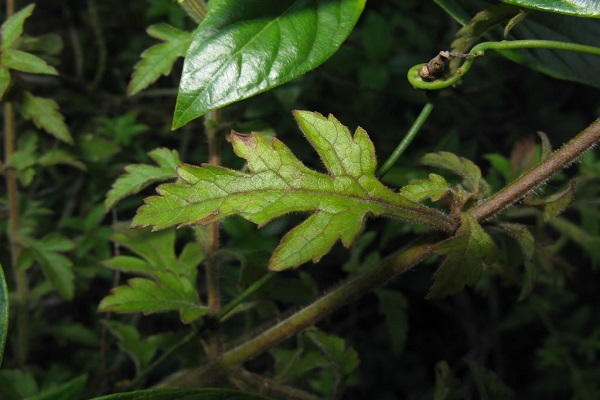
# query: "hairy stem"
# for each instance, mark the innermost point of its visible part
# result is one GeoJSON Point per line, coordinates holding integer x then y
{"type": "Point", "coordinates": [410, 135]}
{"type": "Point", "coordinates": [349, 290]}
{"type": "Point", "coordinates": [213, 135]}
{"type": "Point", "coordinates": [568, 153]}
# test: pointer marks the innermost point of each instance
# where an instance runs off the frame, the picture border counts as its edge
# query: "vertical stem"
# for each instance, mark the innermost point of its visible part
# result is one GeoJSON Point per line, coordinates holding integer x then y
{"type": "Point", "coordinates": [20, 277]}
{"type": "Point", "coordinates": [211, 121]}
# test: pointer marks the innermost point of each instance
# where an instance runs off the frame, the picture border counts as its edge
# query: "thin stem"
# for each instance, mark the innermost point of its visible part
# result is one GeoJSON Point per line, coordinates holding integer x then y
{"type": "Point", "coordinates": [100, 41]}
{"type": "Point", "coordinates": [20, 276]}
{"type": "Point", "coordinates": [479, 50]}
{"type": "Point", "coordinates": [195, 9]}
{"type": "Point", "coordinates": [349, 290]}
{"type": "Point", "coordinates": [250, 290]}
{"type": "Point", "coordinates": [568, 153]}
{"type": "Point", "coordinates": [408, 138]}
{"type": "Point", "coordinates": [212, 268]}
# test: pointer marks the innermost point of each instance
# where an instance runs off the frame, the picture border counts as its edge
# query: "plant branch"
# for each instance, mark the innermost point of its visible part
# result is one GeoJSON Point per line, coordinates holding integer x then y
{"type": "Point", "coordinates": [408, 138]}
{"type": "Point", "coordinates": [568, 153]}
{"type": "Point", "coordinates": [195, 9]}
{"type": "Point", "coordinates": [213, 135]}
{"type": "Point", "coordinates": [349, 290]}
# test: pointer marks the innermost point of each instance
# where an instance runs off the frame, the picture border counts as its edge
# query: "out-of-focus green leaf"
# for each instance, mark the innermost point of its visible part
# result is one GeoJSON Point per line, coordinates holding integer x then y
{"type": "Point", "coordinates": [57, 267]}
{"type": "Point", "coordinates": [159, 59]}
{"type": "Point", "coordinates": [45, 115]}
{"type": "Point", "coordinates": [17, 385]}
{"type": "Point", "coordinates": [4, 80]}
{"type": "Point", "coordinates": [3, 312]}
{"type": "Point", "coordinates": [244, 48]}
{"type": "Point", "coordinates": [523, 237]}
{"type": "Point", "coordinates": [465, 252]}
{"type": "Point", "coordinates": [140, 351]}
{"type": "Point", "coordinates": [590, 243]}
{"type": "Point", "coordinates": [466, 169]}
{"type": "Point", "coordinates": [12, 28]}
{"type": "Point", "coordinates": [419, 189]}
{"type": "Point", "coordinates": [393, 305]}
{"type": "Point", "coordinates": [26, 62]}
{"type": "Point", "coordinates": [469, 34]}
{"type": "Point", "coordinates": [578, 8]}
{"type": "Point", "coordinates": [555, 204]}
{"type": "Point", "coordinates": [183, 394]}
{"type": "Point", "coordinates": [344, 360]}
{"type": "Point", "coordinates": [447, 386]}
{"type": "Point", "coordinates": [71, 390]}
{"type": "Point", "coordinates": [278, 183]}
{"type": "Point", "coordinates": [139, 176]}
{"type": "Point", "coordinates": [57, 156]}
{"type": "Point", "coordinates": [489, 385]}
{"type": "Point", "coordinates": [171, 282]}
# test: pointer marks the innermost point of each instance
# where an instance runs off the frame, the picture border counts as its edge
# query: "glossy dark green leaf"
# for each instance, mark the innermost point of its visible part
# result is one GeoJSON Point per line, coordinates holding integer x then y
{"type": "Point", "coordinates": [578, 8]}
{"type": "Point", "coordinates": [183, 394]}
{"type": "Point", "coordinates": [3, 312]}
{"type": "Point", "coordinates": [246, 47]}
{"type": "Point", "coordinates": [568, 65]}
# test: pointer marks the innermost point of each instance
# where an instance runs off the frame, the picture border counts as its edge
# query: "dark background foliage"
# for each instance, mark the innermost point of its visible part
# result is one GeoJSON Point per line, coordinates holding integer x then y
{"type": "Point", "coordinates": [547, 346]}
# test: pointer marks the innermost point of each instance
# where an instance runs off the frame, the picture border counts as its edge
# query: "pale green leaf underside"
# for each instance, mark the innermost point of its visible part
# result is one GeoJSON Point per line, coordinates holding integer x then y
{"type": "Point", "coordinates": [465, 252]}
{"type": "Point", "coordinates": [460, 166]}
{"type": "Point", "coordinates": [168, 293]}
{"type": "Point", "coordinates": [278, 183]}
{"type": "Point", "coordinates": [45, 115]}
{"type": "Point", "coordinates": [159, 59]}
{"type": "Point", "coordinates": [139, 176]}
{"type": "Point", "coordinates": [244, 48]}
{"type": "Point", "coordinates": [579, 8]}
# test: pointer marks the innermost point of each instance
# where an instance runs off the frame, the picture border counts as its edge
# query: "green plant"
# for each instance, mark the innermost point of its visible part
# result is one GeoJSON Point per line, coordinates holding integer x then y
{"type": "Point", "coordinates": [224, 278]}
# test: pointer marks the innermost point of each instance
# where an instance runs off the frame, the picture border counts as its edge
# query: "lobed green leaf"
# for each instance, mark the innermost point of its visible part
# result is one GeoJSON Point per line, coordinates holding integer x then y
{"type": "Point", "coordinates": [465, 252]}
{"type": "Point", "coordinates": [244, 48]}
{"type": "Point", "coordinates": [420, 189]}
{"type": "Point", "coordinates": [159, 59]}
{"type": "Point", "coordinates": [169, 292]}
{"type": "Point", "coordinates": [137, 177]}
{"type": "Point", "coordinates": [26, 62]}
{"type": "Point", "coordinates": [278, 183]}
{"type": "Point", "coordinates": [466, 169]}
{"type": "Point", "coordinates": [12, 28]}
{"type": "Point", "coordinates": [45, 115]}
{"type": "Point", "coordinates": [57, 267]}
